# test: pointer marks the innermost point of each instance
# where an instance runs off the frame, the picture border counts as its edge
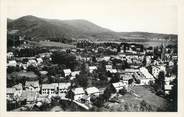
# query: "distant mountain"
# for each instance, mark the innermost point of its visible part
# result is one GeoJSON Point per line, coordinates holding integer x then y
{"type": "Point", "coordinates": [41, 29]}
{"type": "Point", "coordinates": [146, 35]}
{"type": "Point", "coordinates": [51, 29]}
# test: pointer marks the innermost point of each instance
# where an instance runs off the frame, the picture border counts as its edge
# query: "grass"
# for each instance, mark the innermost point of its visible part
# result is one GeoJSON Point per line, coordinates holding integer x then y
{"type": "Point", "coordinates": [131, 103]}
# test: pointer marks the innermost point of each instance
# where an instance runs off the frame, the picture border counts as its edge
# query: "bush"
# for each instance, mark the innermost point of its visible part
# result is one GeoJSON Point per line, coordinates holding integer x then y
{"type": "Point", "coordinates": [123, 91]}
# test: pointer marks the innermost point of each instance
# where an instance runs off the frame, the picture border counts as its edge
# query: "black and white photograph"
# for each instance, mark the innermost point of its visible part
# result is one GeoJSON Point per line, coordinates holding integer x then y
{"type": "Point", "coordinates": [91, 56]}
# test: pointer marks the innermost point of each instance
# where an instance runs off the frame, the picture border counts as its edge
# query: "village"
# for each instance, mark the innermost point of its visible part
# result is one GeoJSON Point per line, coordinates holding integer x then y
{"type": "Point", "coordinates": [89, 76]}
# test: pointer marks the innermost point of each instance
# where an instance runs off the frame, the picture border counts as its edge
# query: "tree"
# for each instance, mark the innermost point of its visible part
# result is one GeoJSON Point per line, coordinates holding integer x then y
{"type": "Point", "coordinates": [82, 80]}
{"type": "Point", "coordinates": [161, 79]}
{"type": "Point", "coordinates": [64, 58]}
{"type": "Point", "coordinates": [99, 101]}
{"type": "Point", "coordinates": [70, 95]}
{"type": "Point", "coordinates": [123, 91]}
{"type": "Point", "coordinates": [173, 96]}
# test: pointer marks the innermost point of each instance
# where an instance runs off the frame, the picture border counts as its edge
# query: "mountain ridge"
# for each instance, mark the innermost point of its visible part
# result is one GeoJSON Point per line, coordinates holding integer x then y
{"type": "Point", "coordinates": [42, 29]}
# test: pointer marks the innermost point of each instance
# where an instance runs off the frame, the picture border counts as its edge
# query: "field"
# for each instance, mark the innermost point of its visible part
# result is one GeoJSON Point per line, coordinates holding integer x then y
{"type": "Point", "coordinates": [52, 44]}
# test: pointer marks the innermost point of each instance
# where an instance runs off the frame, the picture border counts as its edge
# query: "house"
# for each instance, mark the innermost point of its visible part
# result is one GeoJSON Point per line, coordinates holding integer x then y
{"type": "Point", "coordinates": [116, 87]}
{"type": "Point", "coordinates": [78, 93]}
{"type": "Point", "coordinates": [171, 63]}
{"type": "Point", "coordinates": [106, 58]}
{"type": "Point", "coordinates": [10, 93]}
{"type": "Point", "coordinates": [12, 63]}
{"type": "Point", "coordinates": [63, 89]}
{"type": "Point", "coordinates": [168, 80]}
{"type": "Point", "coordinates": [10, 55]}
{"type": "Point", "coordinates": [168, 88]}
{"type": "Point", "coordinates": [92, 68]}
{"type": "Point", "coordinates": [32, 62]}
{"type": "Point", "coordinates": [29, 96]}
{"type": "Point", "coordinates": [125, 77]}
{"type": "Point", "coordinates": [24, 66]}
{"type": "Point", "coordinates": [43, 73]}
{"type": "Point", "coordinates": [18, 90]}
{"type": "Point", "coordinates": [108, 67]}
{"type": "Point", "coordinates": [144, 77]}
{"type": "Point", "coordinates": [113, 70]}
{"type": "Point", "coordinates": [67, 72]}
{"type": "Point", "coordinates": [146, 73]}
{"type": "Point", "coordinates": [74, 73]}
{"type": "Point", "coordinates": [92, 91]}
{"type": "Point", "coordinates": [32, 86]}
{"type": "Point", "coordinates": [148, 60]}
{"type": "Point", "coordinates": [156, 70]}
{"type": "Point", "coordinates": [49, 89]}
{"type": "Point", "coordinates": [39, 60]}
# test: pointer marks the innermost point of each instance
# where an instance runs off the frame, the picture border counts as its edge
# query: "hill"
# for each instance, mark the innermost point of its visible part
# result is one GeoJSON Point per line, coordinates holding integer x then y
{"type": "Point", "coordinates": [65, 30]}
{"type": "Point", "coordinates": [43, 29]}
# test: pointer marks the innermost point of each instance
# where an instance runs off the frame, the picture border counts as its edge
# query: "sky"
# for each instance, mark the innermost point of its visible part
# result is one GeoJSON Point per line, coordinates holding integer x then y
{"type": "Point", "coordinates": [158, 16]}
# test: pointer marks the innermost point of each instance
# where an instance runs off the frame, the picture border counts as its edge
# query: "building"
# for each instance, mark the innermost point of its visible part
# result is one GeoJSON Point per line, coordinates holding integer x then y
{"type": "Point", "coordinates": [156, 70]}
{"type": "Point", "coordinates": [116, 87]}
{"type": "Point", "coordinates": [93, 91]}
{"type": "Point", "coordinates": [168, 80]}
{"type": "Point", "coordinates": [92, 68]}
{"type": "Point", "coordinates": [10, 93]}
{"type": "Point", "coordinates": [49, 89]}
{"type": "Point", "coordinates": [32, 86]}
{"type": "Point", "coordinates": [146, 73]}
{"type": "Point", "coordinates": [67, 72]}
{"type": "Point", "coordinates": [32, 62]}
{"type": "Point", "coordinates": [108, 67]}
{"type": "Point", "coordinates": [63, 89]}
{"type": "Point", "coordinates": [18, 90]}
{"type": "Point", "coordinates": [74, 73]}
{"type": "Point", "coordinates": [78, 93]}
{"type": "Point", "coordinates": [10, 55]}
{"type": "Point", "coordinates": [29, 96]}
{"type": "Point", "coordinates": [113, 70]}
{"type": "Point", "coordinates": [39, 60]}
{"type": "Point", "coordinates": [144, 76]}
{"type": "Point", "coordinates": [12, 63]}
{"type": "Point", "coordinates": [125, 77]}
{"type": "Point", "coordinates": [168, 88]}
{"type": "Point", "coordinates": [106, 58]}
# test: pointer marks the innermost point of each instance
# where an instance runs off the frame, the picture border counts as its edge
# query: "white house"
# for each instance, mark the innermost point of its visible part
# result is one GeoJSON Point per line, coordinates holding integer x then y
{"type": "Point", "coordinates": [32, 86]}
{"type": "Point", "coordinates": [168, 88]}
{"type": "Point", "coordinates": [12, 63]}
{"type": "Point", "coordinates": [18, 90]}
{"type": "Point", "coordinates": [32, 62]}
{"type": "Point", "coordinates": [10, 55]}
{"type": "Point", "coordinates": [63, 89]}
{"type": "Point", "coordinates": [67, 72]}
{"type": "Point", "coordinates": [74, 73]}
{"type": "Point", "coordinates": [93, 91]}
{"type": "Point", "coordinates": [108, 67]}
{"type": "Point", "coordinates": [39, 60]}
{"type": "Point", "coordinates": [49, 89]}
{"type": "Point", "coordinates": [144, 76]}
{"type": "Point", "coordinates": [146, 73]}
{"type": "Point", "coordinates": [156, 70]}
{"type": "Point", "coordinates": [92, 68]}
{"type": "Point", "coordinates": [10, 93]}
{"type": "Point", "coordinates": [113, 70]}
{"type": "Point", "coordinates": [118, 86]}
{"type": "Point", "coordinates": [106, 58]}
{"type": "Point", "coordinates": [78, 93]}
